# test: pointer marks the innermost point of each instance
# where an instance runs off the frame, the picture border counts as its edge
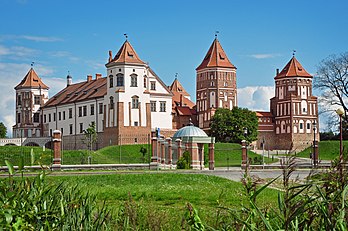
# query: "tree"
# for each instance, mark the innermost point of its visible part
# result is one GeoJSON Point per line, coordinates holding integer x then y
{"type": "Point", "coordinates": [332, 80]}
{"type": "Point", "coordinates": [3, 130]}
{"type": "Point", "coordinates": [90, 136]}
{"type": "Point", "coordinates": [228, 125]}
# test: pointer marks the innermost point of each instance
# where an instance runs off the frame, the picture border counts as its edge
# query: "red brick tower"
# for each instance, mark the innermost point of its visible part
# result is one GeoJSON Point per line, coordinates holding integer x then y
{"type": "Point", "coordinates": [294, 108]}
{"type": "Point", "coordinates": [216, 84]}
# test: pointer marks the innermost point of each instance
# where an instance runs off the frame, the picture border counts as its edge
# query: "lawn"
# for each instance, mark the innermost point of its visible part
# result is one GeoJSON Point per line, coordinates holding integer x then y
{"type": "Point", "coordinates": [226, 154]}
{"type": "Point", "coordinates": [162, 197]}
{"type": "Point", "coordinates": [328, 150]}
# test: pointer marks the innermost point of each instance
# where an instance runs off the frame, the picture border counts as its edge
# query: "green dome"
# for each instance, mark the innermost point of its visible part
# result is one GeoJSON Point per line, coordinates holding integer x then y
{"type": "Point", "coordinates": [190, 131]}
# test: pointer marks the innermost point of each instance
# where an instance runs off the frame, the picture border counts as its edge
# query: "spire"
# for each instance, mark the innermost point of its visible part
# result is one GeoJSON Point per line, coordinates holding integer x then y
{"type": "Point", "coordinates": [177, 87]}
{"type": "Point", "coordinates": [215, 57]}
{"type": "Point", "coordinates": [31, 80]}
{"type": "Point", "coordinates": [126, 54]}
{"type": "Point", "coordinates": [293, 69]}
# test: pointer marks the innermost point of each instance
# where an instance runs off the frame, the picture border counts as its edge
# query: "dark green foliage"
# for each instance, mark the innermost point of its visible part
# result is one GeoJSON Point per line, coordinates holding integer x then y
{"type": "Point", "coordinates": [3, 130]}
{"type": "Point", "coordinates": [143, 152]}
{"type": "Point", "coordinates": [328, 150]}
{"type": "Point", "coordinates": [34, 204]}
{"type": "Point", "coordinates": [184, 162]}
{"type": "Point", "coordinates": [228, 125]}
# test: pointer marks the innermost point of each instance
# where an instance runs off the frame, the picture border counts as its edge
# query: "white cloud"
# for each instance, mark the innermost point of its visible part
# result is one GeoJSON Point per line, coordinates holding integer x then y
{"type": "Point", "coordinates": [17, 51]}
{"type": "Point", "coordinates": [40, 38]}
{"type": "Point", "coordinates": [256, 98]}
{"type": "Point", "coordinates": [264, 56]}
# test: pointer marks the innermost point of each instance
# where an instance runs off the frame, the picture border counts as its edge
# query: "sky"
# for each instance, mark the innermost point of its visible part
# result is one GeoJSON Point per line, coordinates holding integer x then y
{"type": "Point", "coordinates": [74, 37]}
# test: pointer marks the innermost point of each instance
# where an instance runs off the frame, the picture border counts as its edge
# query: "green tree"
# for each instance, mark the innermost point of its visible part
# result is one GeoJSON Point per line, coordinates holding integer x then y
{"type": "Point", "coordinates": [3, 130]}
{"type": "Point", "coordinates": [90, 136]}
{"type": "Point", "coordinates": [229, 125]}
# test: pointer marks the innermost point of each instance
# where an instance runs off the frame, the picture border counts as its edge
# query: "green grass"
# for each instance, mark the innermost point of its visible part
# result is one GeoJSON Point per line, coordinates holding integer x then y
{"type": "Point", "coordinates": [328, 150]}
{"type": "Point", "coordinates": [167, 194]}
{"type": "Point", "coordinates": [230, 154]}
{"type": "Point", "coordinates": [226, 154]}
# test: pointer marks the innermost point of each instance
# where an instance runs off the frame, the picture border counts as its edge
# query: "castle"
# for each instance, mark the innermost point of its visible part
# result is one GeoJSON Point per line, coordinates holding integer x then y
{"type": "Point", "coordinates": [131, 101]}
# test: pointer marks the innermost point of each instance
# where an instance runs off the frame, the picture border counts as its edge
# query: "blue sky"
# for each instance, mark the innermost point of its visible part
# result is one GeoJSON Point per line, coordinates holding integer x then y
{"type": "Point", "coordinates": [173, 36]}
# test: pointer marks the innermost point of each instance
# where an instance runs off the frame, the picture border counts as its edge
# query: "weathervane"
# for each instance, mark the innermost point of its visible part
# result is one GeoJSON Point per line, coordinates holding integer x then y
{"type": "Point", "coordinates": [293, 52]}
{"type": "Point", "coordinates": [176, 75]}
{"type": "Point", "coordinates": [32, 64]}
{"type": "Point", "coordinates": [126, 36]}
{"type": "Point", "coordinates": [216, 33]}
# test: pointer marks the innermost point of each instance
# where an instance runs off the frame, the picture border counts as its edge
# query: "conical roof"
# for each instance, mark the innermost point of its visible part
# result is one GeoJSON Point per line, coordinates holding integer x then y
{"type": "Point", "coordinates": [126, 54]}
{"type": "Point", "coordinates": [177, 87]}
{"type": "Point", "coordinates": [215, 57]}
{"type": "Point", "coordinates": [293, 69]}
{"type": "Point", "coordinates": [31, 80]}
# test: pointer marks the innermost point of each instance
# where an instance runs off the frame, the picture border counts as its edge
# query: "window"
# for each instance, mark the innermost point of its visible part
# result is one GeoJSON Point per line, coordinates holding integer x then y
{"type": "Point", "coordinates": [80, 111]}
{"type": "Point", "coordinates": [144, 82]}
{"type": "Point", "coordinates": [153, 85]}
{"type": "Point", "coordinates": [70, 129]}
{"type": "Point", "coordinates": [59, 115]}
{"type": "Point", "coordinates": [212, 84]}
{"type": "Point", "coordinates": [135, 102]}
{"type": "Point", "coordinates": [70, 113]}
{"type": "Point", "coordinates": [51, 132]}
{"type": "Point", "coordinates": [37, 99]}
{"type": "Point", "coordinates": [49, 117]}
{"type": "Point", "coordinates": [54, 116]}
{"type": "Point", "coordinates": [19, 100]}
{"type": "Point", "coordinates": [136, 123]}
{"type": "Point", "coordinates": [134, 80]}
{"type": "Point", "coordinates": [301, 125]}
{"type": "Point", "coordinates": [119, 80]}
{"type": "Point", "coordinates": [100, 108]}
{"type": "Point", "coordinates": [62, 130]}
{"type": "Point", "coordinates": [92, 109]}
{"type": "Point", "coordinates": [18, 117]}
{"type": "Point", "coordinates": [63, 115]}
{"type": "Point", "coordinates": [44, 118]}
{"type": "Point", "coordinates": [308, 126]}
{"type": "Point", "coordinates": [153, 106]}
{"type": "Point", "coordinates": [162, 106]}
{"type": "Point", "coordinates": [111, 102]}
{"type": "Point", "coordinates": [111, 81]}
{"type": "Point", "coordinates": [81, 127]}
{"type": "Point", "coordinates": [84, 110]}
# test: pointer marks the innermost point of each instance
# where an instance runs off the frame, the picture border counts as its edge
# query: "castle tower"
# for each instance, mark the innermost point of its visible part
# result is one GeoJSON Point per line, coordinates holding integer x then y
{"type": "Point", "coordinates": [294, 108]}
{"type": "Point", "coordinates": [216, 84]}
{"type": "Point", "coordinates": [31, 95]}
{"type": "Point", "coordinates": [136, 101]}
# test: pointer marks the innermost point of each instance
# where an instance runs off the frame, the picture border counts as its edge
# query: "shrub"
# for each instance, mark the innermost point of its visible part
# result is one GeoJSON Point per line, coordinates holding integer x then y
{"type": "Point", "coordinates": [184, 161]}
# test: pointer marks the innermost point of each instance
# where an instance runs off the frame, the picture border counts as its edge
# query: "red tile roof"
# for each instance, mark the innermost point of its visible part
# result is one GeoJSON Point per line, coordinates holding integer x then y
{"type": "Point", "coordinates": [263, 114]}
{"type": "Point", "coordinates": [185, 111]}
{"type": "Point", "coordinates": [177, 87]}
{"type": "Point", "coordinates": [293, 69]}
{"type": "Point", "coordinates": [180, 95]}
{"type": "Point", "coordinates": [79, 92]}
{"type": "Point", "coordinates": [31, 80]}
{"type": "Point", "coordinates": [126, 54]}
{"type": "Point", "coordinates": [215, 57]}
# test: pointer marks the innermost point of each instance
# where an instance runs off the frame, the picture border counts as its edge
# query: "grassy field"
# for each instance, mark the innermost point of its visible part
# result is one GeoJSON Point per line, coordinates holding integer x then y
{"type": "Point", "coordinates": [158, 197]}
{"type": "Point", "coordinates": [328, 150]}
{"type": "Point", "coordinates": [226, 154]}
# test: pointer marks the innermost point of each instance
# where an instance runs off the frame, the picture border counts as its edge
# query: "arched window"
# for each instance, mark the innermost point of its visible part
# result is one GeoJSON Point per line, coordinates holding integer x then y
{"type": "Point", "coordinates": [145, 82]}
{"type": "Point", "coordinates": [134, 80]}
{"type": "Point", "coordinates": [112, 102]}
{"type": "Point", "coordinates": [135, 102]}
{"type": "Point", "coordinates": [120, 80]}
{"type": "Point", "coordinates": [111, 81]}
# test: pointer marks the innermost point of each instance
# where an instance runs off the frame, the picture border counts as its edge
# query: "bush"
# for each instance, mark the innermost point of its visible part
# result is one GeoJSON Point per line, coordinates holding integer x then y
{"type": "Point", "coordinates": [184, 162]}
{"type": "Point", "coordinates": [33, 204]}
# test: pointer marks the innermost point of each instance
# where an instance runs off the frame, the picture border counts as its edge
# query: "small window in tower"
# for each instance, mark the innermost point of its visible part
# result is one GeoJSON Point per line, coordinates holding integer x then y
{"type": "Point", "coordinates": [212, 84]}
{"type": "Point", "coordinates": [37, 99]}
{"type": "Point", "coordinates": [221, 56]}
{"type": "Point", "coordinates": [130, 55]}
{"type": "Point", "coordinates": [153, 85]}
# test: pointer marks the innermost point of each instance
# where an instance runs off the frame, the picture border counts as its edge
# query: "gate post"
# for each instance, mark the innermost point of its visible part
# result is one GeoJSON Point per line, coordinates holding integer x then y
{"type": "Point", "coordinates": [244, 154]}
{"type": "Point", "coordinates": [57, 139]}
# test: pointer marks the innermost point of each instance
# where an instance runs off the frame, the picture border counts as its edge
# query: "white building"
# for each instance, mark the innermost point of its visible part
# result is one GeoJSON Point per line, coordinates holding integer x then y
{"type": "Point", "coordinates": [125, 106]}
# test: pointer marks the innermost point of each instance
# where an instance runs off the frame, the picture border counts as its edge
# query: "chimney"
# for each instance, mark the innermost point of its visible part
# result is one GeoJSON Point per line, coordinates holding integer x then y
{"type": "Point", "coordinates": [89, 78]}
{"type": "Point", "coordinates": [110, 56]}
{"type": "Point", "coordinates": [68, 80]}
{"type": "Point", "coordinates": [277, 71]}
{"type": "Point", "coordinates": [98, 76]}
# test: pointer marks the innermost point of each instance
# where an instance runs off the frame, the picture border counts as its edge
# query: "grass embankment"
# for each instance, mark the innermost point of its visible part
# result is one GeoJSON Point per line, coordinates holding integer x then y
{"type": "Point", "coordinates": [226, 154]}
{"type": "Point", "coordinates": [328, 150]}
{"type": "Point", "coordinates": [161, 198]}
